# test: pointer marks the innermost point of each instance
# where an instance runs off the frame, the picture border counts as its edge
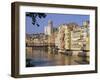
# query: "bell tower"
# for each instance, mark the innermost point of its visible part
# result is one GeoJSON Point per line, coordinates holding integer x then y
{"type": "Point", "coordinates": [49, 28]}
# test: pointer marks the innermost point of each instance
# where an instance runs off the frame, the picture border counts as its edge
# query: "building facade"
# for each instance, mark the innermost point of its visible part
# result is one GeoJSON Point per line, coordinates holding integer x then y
{"type": "Point", "coordinates": [73, 37]}
{"type": "Point", "coordinates": [65, 37]}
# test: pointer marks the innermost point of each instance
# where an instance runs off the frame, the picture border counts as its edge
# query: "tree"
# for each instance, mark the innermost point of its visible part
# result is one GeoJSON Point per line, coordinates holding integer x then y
{"type": "Point", "coordinates": [34, 17]}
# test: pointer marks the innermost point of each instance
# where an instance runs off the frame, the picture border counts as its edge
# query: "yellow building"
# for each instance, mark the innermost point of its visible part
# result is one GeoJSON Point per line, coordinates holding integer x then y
{"type": "Point", "coordinates": [61, 40]}
{"type": "Point", "coordinates": [72, 37]}
{"type": "Point", "coordinates": [76, 42]}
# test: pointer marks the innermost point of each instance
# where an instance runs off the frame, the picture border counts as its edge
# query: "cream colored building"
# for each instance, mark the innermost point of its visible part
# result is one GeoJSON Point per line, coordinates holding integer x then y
{"type": "Point", "coordinates": [76, 42]}
{"type": "Point", "coordinates": [62, 39]}
{"type": "Point", "coordinates": [86, 34]}
{"type": "Point", "coordinates": [72, 37]}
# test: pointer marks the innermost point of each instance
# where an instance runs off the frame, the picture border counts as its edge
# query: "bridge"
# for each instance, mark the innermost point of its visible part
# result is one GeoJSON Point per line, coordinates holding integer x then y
{"type": "Point", "coordinates": [40, 44]}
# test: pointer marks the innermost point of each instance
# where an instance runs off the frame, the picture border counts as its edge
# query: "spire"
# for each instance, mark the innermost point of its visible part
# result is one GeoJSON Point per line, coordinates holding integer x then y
{"type": "Point", "coordinates": [50, 23]}
{"type": "Point", "coordinates": [49, 28]}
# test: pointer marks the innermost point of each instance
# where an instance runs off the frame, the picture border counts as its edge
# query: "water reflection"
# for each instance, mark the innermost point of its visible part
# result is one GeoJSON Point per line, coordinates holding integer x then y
{"type": "Point", "coordinates": [41, 56]}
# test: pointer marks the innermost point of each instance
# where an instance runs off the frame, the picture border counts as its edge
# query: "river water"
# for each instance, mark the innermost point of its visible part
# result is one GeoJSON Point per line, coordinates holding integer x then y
{"type": "Point", "coordinates": [43, 57]}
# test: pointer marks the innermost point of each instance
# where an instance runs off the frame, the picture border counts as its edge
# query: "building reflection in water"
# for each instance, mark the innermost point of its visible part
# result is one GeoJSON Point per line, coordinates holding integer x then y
{"type": "Point", "coordinates": [42, 56]}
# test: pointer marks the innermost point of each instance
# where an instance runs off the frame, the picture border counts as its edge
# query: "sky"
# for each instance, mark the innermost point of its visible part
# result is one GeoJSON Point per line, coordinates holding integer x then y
{"type": "Point", "coordinates": [57, 20]}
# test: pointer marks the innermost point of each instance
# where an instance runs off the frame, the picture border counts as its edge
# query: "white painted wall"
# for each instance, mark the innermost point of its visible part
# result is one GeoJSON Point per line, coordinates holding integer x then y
{"type": "Point", "coordinates": [5, 40]}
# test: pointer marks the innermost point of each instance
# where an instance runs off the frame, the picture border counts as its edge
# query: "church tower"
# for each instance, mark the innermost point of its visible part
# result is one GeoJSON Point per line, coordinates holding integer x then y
{"type": "Point", "coordinates": [49, 28]}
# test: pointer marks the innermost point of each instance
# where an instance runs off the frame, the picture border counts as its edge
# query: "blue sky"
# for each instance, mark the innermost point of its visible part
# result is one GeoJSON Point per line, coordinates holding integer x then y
{"type": "Point", "coordinates": [57, 20]}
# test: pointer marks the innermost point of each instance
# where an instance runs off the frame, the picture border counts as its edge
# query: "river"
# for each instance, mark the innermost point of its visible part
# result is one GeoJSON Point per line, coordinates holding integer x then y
{"type": "Point", "coordinates": [41, 56]}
